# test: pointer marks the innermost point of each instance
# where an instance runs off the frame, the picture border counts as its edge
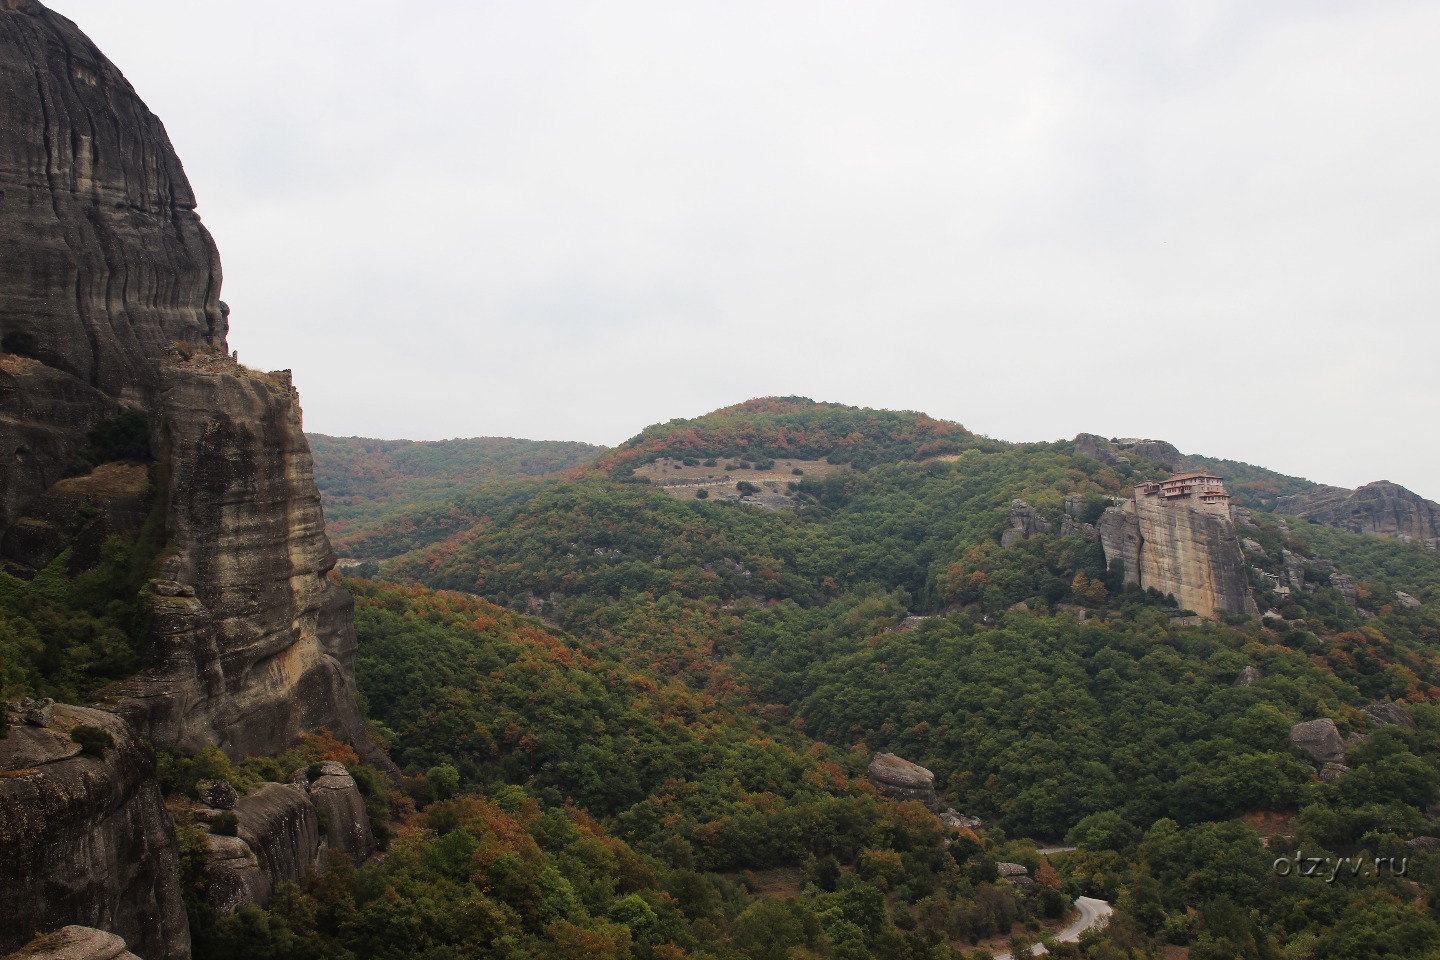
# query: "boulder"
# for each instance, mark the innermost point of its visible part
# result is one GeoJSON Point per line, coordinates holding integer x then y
{"type": "Point", "coordinates": [218, 794]}
{"type": "Point", "coordinates": [1333, 771]}
{"type": "Point", "coordinates": [1407, 601]}
{"type": "Point", "coordinates": [955, 820]}
{"type": "Point", "coordinates": [903, 780]}
{"type": "Point", "coordinates": [1319, 739]}
{"type": "Point", "coordinates": [280, 825]}
{"type": "Point", "coordinates": [1252, 546]}
{"type": "Point", "coordinates": [1423, 845]}
{"type": "Point", "coordinates": [75, 943]}
{"type": "Point", "coordinates": [1383, 714]}
{"type": "Point", "coordinates": [233, 877]}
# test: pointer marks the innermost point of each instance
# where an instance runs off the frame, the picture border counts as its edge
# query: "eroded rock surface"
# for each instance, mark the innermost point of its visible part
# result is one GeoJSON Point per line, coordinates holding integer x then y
{"type": "Point", "coordinates": [109, 302]}
{"type": "Point", "coordinates": [86, 839]}
{"type": "Point", "coordinates": [75, 943]}
{"type": "Point", "coordinates": [264, 649]}
{"type": "Point", "coordinates": [103, 262]}
{"type": "Point", "coordinates": [279, 824]}
{"type": "Point", "coordinates": [1383, 714]}
{"type": "Point", "coordinates": [1383, 508]}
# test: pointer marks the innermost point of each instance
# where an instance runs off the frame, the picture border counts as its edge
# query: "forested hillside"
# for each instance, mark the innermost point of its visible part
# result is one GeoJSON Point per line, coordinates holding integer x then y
{"type": "Point", "coordinates": [708, 679]}
{"type": "Point", "coordinates": [365, 481]}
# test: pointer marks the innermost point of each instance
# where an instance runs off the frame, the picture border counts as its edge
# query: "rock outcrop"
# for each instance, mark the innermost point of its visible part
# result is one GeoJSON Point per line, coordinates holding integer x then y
{"type": "Point", "coordinates": [903, 780]}
{"type": "Point", "coordinates": [282, 830]}
{"type": "Point", "coordinates": [86, 839]}
{"type": "Point", "coordinates": [1158, 452]}
{"type": "Point", "coordinates": [337, 798]}
{"type": "Point", "coordinates": [1248, 677]}
{"type": "Point", "coordinates": [1382, 508]}
{"type": "Point", "coordinates": [1319, 739]}
{"type": "Point", "coordinates": [279, 823]}
{"type": "Point", "coordinates": [1182, 550]}
{"type": "Point", "coordinates": [1024, 524]}
{"type": "Point", "coordinates": [264, 648]}
{"type": "Point", "coordinates": [75, 943]}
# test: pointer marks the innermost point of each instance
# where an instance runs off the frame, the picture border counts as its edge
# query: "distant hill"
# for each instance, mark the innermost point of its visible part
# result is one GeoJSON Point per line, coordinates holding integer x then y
{"type": "Point", "coordinates": [364, 481]}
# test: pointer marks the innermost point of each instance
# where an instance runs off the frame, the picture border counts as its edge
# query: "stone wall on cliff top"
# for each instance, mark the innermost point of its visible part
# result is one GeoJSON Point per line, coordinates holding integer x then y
{"type": "Point", "coordinates": [1382, 508]}
{"type": "Point", "coordinates": [1175, 548]}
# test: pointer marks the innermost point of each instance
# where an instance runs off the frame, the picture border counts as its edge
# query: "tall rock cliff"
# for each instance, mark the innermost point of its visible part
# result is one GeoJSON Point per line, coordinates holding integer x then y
{"type": "Point", "coordinates": [103, 262]}
{"type": "Point", "coordinates": [109, 302]}
{"type": "Point", "coordinates": [1180, 548]}
{"type": "Point", "coordinates": [1382, 508]}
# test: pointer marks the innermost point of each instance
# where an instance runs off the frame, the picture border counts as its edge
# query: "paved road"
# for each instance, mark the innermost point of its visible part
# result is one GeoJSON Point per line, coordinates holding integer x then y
{"type": "Point", "coordinates": [1093, 913]}
{"type": "Point", "coordinates": [1049, 850]}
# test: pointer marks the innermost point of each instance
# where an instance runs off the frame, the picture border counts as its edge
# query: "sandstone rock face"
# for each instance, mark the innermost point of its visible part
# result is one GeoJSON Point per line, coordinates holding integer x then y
{"type": "Point", "coordinates": [1192, 553]}
{"type": "Point", "coordinates": [1292, 570]}
{"type": "Point", "coordinates": [1407, 601]}
{"type": "Point", "coordinates": [233, 877]}
{"type": "Point", "coordinates": [75, 943]}
{"type": "Point", "coordinates": [337, 797]}
{"type": "Point", "coordinates": [1024, 524]}
{"type": "Point", "coordinates": [1382, 508]}
{"type": "Point", "coordinates": [103, 262]}
{"type": "Point", "coordinates": [264, 649]}
{"type": "Point", "coordinates": [87, 839]}
{"type": "Point", "coordinates": [279, 824]}
{"type": "Point", "coordinates": [1320, 739]}
{"type": "Point", "coordinates": [903, 780]}
{"type": "Point", "coordinates": [81, 513]}
{"type": "Point", "coordinates": [1346, 585]}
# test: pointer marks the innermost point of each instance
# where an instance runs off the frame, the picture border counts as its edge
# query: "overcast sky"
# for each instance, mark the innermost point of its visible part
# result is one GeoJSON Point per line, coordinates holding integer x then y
{"type": "Point", "coordinates": [1214, 223]}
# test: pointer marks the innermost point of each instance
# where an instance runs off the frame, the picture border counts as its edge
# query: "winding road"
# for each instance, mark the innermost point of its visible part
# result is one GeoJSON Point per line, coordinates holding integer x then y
{"type": "Point", "coordinates": [1093, 913]}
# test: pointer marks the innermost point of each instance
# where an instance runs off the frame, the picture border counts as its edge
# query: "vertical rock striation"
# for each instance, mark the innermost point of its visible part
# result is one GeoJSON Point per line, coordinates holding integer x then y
{"type": "Point", "coordinates": [1180, 549]}
{"type": "Point", "coordinates": [103, 261]}
{"type": "Point", "coordinates": [263, 648]}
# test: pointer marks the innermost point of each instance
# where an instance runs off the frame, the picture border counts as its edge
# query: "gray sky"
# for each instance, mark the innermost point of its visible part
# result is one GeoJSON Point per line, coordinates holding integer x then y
{"type": "Point", "coordinates": [1214, 223]}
